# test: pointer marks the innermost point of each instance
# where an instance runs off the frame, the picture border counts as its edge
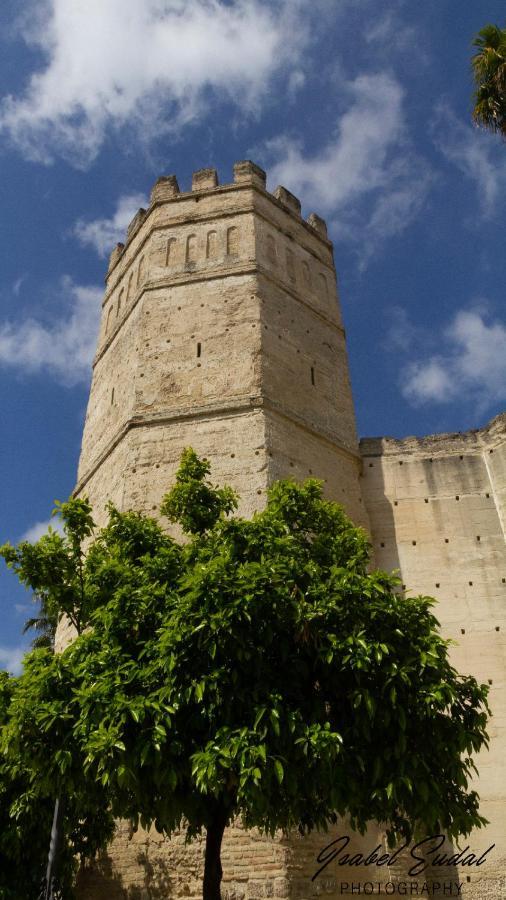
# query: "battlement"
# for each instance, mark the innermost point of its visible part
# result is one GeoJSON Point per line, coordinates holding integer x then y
{"type": "Point", "coordinates": [246, 174]}
{"type": "Point", "coordinates": [435, 445]}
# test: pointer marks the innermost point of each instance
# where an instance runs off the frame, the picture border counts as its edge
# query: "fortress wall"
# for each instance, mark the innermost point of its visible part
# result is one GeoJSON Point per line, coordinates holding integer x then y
{"type": "Point", "coordinates": [495, 461]}
{"type": "Point", "coordinates": [436, 511]}
{"type": "Point", "coordinates": [305, 367]}
{"type": "Point", "coordinates": [185, 335]}
{"type": "Point", "coordinates": [234, 445]}
{"type": "Point", "coordinates": [237, 271]}
{"type": "Point", "coordinates": [280, 223]}
{"type": "Point", "coordinates": [147, 866]}
{"type": "Point", "coordinates": [198, 345]}
{"type": "Point", "coordinates": [110, 411]}
{"type": "Point", "coordinates": [433, 508]}
{"type": "Point", "coordinates": [169, 218]}
{"type": "Point", "coordinates": [141, 468]}
{"type": "Point", "coordinates": [306, 390]}
{"type": "Point", "coordinates": [295, 452]}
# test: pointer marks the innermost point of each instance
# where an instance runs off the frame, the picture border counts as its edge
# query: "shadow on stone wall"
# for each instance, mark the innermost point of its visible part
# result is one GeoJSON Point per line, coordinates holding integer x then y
{"type": "Point", "coordinates": [100, 882]}
{"type": "Point", "coordinates": [378, 504]}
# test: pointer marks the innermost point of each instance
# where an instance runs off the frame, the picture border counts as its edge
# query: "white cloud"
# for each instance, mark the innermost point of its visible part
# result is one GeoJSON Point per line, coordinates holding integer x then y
{"type": "Point", "coordinates": [479, 158]}
{"type": "Point", "coordinates": [385, 29]}
{"type": "Point", "coordinates": [389, 33]}
{"type": "Point", "coordinates": [148, 64]}
{"type": "Point", "coordinates": [23, 608]}
{"type": "Point", "coordinates": [472, 365]}
{"type": "Point", "coordinates": [16, 287]}
{"type": "Point", "coordinates": [36, 530]}
{"type": "Point", "coordinates": [399, 204]}
{"type": "Point", "coordinates": [401, 334]}
{"type": "Point", "coordinates": [354, 162]}
{"type": "Point", "coordinates": [63, 348]}
{"type": "Point", "coordinates": [428, 381]}
{"type": "Point", "coordinates": [103, 234]}
{"type": "Point", "coordinates": [296, 82]}
{"type": "Point", "coordinates": [366, 179]}
{"type": "Point", "coordinates": [11, 659]}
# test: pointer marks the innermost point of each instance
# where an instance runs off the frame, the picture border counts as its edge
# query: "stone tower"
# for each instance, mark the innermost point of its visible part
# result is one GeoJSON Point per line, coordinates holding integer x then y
{"type": "Point", "coordinates": [221, 329]}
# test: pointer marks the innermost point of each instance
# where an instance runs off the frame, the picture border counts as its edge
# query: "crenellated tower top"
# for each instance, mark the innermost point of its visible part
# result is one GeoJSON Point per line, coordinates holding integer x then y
{"type": "Point", "coordinates": [221, 329]}
{"type": "Point", "coordinates": [205, 181]}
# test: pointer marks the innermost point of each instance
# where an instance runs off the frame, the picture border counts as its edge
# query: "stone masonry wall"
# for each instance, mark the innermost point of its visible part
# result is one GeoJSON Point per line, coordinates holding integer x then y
{"type": "Point", "coordinates": [436, 507]}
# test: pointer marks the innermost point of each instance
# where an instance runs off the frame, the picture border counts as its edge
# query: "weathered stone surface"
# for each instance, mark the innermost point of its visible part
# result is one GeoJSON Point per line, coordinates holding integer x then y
{"type": "Point", "coordinates": [247, 171]}
{"type": "Point", "coordinates": [115, 255]}
{"type": "Point", "coordinates": [221, 329]}
{"type": "Point", "coordinates": [318, 224]}
{"type": "Point", "coordinates": [437, 512]}
{"type": "Point", "coordinates": [287, 198]}
{"type": "Point", "coordinates": [165, 188]}
{"type": "Point", "coordinates": [204, 178]}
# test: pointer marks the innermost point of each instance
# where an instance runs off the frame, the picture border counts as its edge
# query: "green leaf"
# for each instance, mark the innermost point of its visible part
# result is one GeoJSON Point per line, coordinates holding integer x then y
{"type": "Point", "coordinates": [146, 749]}
{"type": "Point", "coordinates": [280, 772]}
{"type": "Point", "coordinates": [274, 717]}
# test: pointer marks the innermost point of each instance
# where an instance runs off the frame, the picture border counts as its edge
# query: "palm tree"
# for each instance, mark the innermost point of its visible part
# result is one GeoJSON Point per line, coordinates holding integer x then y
{"type": "Point", "coordinates": [489, 67]}
{"type": "Point", "coordinates": [45, 626]}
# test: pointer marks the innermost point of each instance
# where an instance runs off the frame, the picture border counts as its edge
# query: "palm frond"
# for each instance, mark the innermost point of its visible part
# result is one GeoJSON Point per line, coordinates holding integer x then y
{"type": "Point", "coordinates": [45, 627]}
{"type": "Point", "coordinates": [489, 69]}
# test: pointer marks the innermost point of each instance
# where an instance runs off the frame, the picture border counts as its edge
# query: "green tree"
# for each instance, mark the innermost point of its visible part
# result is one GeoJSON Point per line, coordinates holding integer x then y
{"type": "Point", "coordinates": [45, 621]}
{"type": "Point", "coordinates": [45, 628]}
{"type": "Point", "coordinates": [259, 670]}
{"type": "Point", "coordinates": [489, 69]}
{"type": "Point", "coordinates": [53, 569]}
{"type": "Point", "coordinates": [26, 813]}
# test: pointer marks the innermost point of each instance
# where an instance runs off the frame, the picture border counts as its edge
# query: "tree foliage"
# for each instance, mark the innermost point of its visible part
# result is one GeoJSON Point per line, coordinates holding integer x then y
{"type": "Point", "coordinates": [258, 670]}
{"type": "Point", "coordinates": [53, 569]}
{"type": "Point", "coordinates": [489, 69]}
{"type": "Point", "coordinates": [27, 804]}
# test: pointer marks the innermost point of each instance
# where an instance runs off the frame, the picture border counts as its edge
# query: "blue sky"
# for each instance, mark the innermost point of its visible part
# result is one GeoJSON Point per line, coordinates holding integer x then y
{"type": "Point", "coordinates": [362, 109]}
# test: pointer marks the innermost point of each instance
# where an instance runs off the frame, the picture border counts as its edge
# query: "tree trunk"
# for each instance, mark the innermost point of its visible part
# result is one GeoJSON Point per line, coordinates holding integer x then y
{"type": "Point", "coordinates": [54, 847]}
{"type": "Point", "coordinates": [212, 868]}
